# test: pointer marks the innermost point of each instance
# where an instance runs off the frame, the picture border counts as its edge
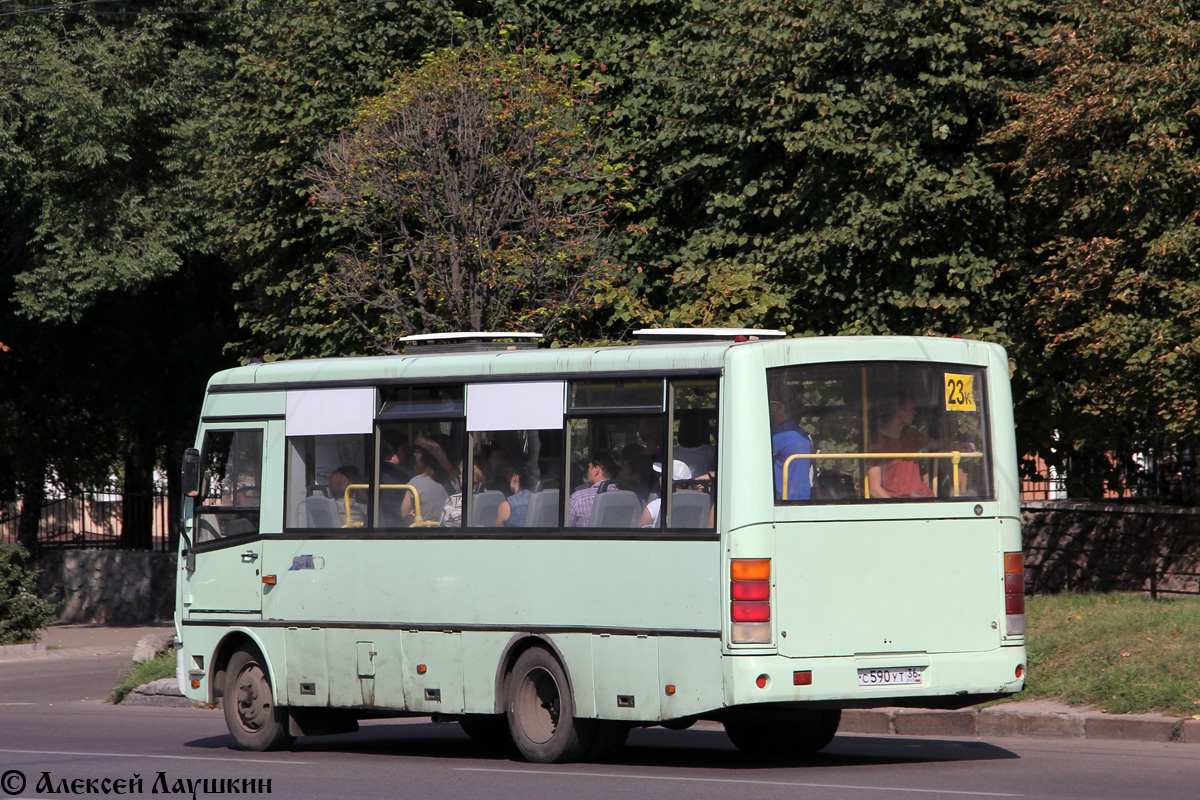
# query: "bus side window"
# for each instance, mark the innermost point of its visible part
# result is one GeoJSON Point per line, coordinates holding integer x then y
{"type": "Point", "coordinates": [327, 481]}
{"type": "Point", "coordinates": [694, 445]}
{"type": "Point", "coordinates": [510, 467]}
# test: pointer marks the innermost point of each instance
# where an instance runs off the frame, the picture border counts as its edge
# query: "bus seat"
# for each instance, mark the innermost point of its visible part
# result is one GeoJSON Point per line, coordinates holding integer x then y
{"type": "Point", "coordinates": [543, 509]}
{"type": "Point", "coordinates": [619, 508]}
{"type": "Point", "coordinates": [689, 508]}
{"type": "Point", "coordinates": [319, 511]}
{"type": "Point", "coordinates": [484, 507]}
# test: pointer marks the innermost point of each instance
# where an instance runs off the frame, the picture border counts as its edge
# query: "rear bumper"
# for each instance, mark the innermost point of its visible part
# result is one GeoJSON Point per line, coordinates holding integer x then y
{"type": "Point", "coordinates": [948, 680]}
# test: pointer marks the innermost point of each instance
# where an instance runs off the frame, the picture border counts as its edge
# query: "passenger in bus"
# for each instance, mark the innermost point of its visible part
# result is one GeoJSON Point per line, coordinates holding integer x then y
{"type": "Point", "coordinates": [694, 446]}
{"type": "Point", "coordinates": [635, 471]}
{"type": "Point", "coordinates": [789, 439]}
{"type": "Point", "coordinates": [353, 503]}
{"type": "Point", "coordinates": [512, 510]}
{"type": "Point", "coordinates": [601, 468]}
{"type": "Point", "coordinates": [452, 508]}
{"type": "Point", "coordinates": [679, 472]}
{"type": "Point", "coordinates": [901, 477]}
{"type": "Point", "coordinates": [433, 481]}
{"type": "Point", "coordinates": [393, 453]}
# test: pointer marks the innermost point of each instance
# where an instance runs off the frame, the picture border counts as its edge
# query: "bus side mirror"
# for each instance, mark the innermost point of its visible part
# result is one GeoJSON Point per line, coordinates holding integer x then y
{"type": "Point", "coordinates": [191, 472]}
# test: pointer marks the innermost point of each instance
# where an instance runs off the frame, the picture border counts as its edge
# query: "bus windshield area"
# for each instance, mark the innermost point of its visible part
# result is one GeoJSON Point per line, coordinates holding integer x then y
{"type": "Point", "coordinates": [879, 432]}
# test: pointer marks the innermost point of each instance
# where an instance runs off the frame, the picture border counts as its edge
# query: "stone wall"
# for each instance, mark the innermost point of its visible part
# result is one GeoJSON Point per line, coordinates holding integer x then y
{"type": "Point", "coordinates": [115, 587]}
{"type": "Point", "coordinates": [1093, 547]}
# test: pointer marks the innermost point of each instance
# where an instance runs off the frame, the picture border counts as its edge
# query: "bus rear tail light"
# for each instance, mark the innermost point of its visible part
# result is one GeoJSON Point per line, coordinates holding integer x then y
{"type": "Point", "coordinates": [750, 600]}
{"type": "Point", "coordinates": [1014, 594]}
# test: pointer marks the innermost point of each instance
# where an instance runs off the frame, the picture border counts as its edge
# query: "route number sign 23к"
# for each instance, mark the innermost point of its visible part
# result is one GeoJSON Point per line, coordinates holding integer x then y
{"type": "Point", "coordinates": [960, 392]}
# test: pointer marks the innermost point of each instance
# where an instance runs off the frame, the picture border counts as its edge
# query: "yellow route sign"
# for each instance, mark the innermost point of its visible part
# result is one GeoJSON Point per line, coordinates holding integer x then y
{"type": "Point", "coordinates": [960, 392]}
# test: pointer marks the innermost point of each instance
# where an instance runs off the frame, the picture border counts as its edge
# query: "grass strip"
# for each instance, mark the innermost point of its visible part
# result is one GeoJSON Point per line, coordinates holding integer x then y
{"type": "Point", "coordinates": [1122, 653]}
{"type": "Point", "coordinates": [161, 666]}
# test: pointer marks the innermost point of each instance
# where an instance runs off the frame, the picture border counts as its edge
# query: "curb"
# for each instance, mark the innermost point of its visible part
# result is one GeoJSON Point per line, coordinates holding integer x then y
{"type": "Point", "coordinates": [162, 693]}
{"type": "Point", "coordinates": [1016, 720]}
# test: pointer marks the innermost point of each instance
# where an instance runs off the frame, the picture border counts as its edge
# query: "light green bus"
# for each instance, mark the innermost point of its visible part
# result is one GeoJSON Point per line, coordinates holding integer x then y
{"type": "Point", "coordinates": [555, 545]}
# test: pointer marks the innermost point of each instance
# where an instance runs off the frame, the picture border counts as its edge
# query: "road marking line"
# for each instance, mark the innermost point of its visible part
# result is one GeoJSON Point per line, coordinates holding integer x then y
{"type": "Point", "coordinates": [225, 759]}
{"type": "Point", "coordinates": [740, 781]}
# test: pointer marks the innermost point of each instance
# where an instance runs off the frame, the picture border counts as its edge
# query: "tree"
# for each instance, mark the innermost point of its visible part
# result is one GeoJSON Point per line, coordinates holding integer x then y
{"type": "Point", "coordinates": [1104, 163]}
{"type": "Point", "coordinates": [817, 166]}
{"type": "Point", "coordinates": [477, 197]}
{"type": "Point", "coordinates": [103, 248]}
{"type": "Point", "coordinates": [290, 83]}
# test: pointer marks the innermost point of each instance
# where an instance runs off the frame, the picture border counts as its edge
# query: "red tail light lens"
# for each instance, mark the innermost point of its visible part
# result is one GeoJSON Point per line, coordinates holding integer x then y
{"type": "Point", "coordinates": [751, 612]}
{"type": "Point", "coordinates": [750, 590]}
{"type": "Point", "coordinates": [750, 600]}
{"type": "Point", "coordinates": [1014, 594]}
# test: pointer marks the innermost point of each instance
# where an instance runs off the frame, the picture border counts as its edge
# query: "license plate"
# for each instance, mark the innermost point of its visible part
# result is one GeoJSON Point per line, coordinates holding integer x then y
{"type": "Point", "coordinates": [891, 676]}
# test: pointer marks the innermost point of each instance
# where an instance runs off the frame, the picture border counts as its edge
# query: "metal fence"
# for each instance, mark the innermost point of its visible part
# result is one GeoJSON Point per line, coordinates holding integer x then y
{"type": "Point", "coordinates": [1142, 474]}
{"type": "Point", "coordinates": [1085, 547]}
{"type": "Point", "coordinates": [87, 519]}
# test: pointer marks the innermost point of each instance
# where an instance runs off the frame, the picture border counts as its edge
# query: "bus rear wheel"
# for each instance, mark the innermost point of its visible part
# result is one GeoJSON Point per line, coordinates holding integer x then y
{"type": "Point", "coordinates": [249, 704]}
{"type": "Point", "coordinates": [541, 711]}
{"type": "Point", "coordinates": [782, 732]}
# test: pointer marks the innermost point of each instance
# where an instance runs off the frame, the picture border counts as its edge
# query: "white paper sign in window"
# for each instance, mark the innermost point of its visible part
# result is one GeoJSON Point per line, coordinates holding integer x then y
{"type": "Point", "coordinates": [321, 412]}
{"type": "Point", "coordinates": [533, 406]}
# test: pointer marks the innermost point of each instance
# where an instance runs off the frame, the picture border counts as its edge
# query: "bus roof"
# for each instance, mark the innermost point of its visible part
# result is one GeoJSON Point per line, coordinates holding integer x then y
{"type": "Point", "coordinates": [676, 357]}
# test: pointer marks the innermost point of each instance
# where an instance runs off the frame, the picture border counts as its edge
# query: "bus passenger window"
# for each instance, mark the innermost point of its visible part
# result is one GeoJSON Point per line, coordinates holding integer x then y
{"type": "Point", "coordinates": [513, 472]}
{"type": "Point", "coordinates": [694, 447]}
{"type": "Point", "coordinates": [327, 484]}
{"type": "Point", "coordinates": [879, 432]}
{"type": "Point", "coordinates": [611, 475]}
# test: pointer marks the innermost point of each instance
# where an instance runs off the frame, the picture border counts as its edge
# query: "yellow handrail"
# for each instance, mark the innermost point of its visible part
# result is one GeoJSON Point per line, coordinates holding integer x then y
{"type": "Point", "coordinates": [955, 456]}
{"type": "Point", "coordinates": [418, 521]}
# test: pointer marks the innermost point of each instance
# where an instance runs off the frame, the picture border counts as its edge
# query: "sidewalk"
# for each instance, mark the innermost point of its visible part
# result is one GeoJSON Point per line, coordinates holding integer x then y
{"type": "Point", "coordinates": [1047, 719]}
{"type": "Point", "coordinates": [76, 641]}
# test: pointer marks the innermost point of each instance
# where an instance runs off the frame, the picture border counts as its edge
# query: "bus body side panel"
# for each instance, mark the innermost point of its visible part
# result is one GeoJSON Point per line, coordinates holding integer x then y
{"type": "Point", "coordinates": [453, 605]}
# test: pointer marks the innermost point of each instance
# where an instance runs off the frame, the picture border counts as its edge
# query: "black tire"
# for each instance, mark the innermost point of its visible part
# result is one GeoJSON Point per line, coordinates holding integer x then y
{"type": "Point", "coordinates": [541, 711]}
{"type": "Point", "coordinates": [608, 740]}
{"type": "Point", "coordinates": [249, 704]}
{"type": "Point", "coordinates": [782, 733]}
{"type": "Point", "coordinates": [489, 729]}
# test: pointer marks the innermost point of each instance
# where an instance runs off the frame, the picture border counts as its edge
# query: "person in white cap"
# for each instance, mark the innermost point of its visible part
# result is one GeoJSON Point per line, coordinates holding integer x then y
{"type": "Point", "coordinates": [679, 472]}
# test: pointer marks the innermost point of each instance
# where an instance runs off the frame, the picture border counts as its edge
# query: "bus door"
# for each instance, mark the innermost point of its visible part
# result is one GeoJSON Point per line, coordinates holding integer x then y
{"type": "Point", "coordinates": [226, 582]}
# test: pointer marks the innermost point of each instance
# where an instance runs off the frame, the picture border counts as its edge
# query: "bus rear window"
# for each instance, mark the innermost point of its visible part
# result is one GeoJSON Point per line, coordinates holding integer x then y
{"type": "Point", "coordinates": [879, 432]}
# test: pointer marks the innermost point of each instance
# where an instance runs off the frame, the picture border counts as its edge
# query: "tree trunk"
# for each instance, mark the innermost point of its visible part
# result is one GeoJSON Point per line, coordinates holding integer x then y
{"type": "Point", "coordinates": [137, 510]}
{"type": "Point", "coordinates": [174, 499]}
{"type": "Point", "coordinates": [32, 498]}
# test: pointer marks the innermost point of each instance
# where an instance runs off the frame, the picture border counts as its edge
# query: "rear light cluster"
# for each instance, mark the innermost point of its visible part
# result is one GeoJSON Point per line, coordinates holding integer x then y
{"type": "Point", "coordinates": [750, 600]}
{"type": "Point", "coordinates": [1014, 594]}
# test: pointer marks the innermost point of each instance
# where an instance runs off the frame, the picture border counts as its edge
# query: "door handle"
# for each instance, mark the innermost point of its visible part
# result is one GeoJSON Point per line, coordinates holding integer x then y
{"type": "Point", "coordinates": [249, 558]}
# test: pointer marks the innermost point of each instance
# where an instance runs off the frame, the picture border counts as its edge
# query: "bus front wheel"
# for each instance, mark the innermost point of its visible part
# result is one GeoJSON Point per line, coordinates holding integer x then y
{"type": "Point", "coordinates": [541, 710]}
{"type": "Point", "coordinates": [782, 732]}
{"type": "Point", "coordinates": [249, 704]}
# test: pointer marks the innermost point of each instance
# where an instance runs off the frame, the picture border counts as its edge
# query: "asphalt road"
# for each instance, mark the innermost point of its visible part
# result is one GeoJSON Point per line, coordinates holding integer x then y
{"type": "Point", "coordinates": [56, 735]}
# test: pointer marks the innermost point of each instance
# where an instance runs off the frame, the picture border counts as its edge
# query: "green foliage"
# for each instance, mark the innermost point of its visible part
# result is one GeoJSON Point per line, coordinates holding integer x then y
{"type": "Point", "coordinates": [475, 196]}
{"type": "Point", "coordinates": [1123, 654]}
{"type": "Point", "coordinates": [817, 167]}
{"type": "Point", "coordinates": [143, 672]}
{"type": "Point", "coordinates": [1103, 157]}
{"type": "Point", "coordinates": [290, 81]}
{"type": "Point", "coordinates": [22, 613]}
{"type": "Point", "coordinates": [93, 198]}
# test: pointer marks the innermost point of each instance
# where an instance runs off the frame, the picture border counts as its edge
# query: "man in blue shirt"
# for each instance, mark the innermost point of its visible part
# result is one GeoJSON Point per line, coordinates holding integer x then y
{"type": "Point", "coordinates": [789, 439]}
